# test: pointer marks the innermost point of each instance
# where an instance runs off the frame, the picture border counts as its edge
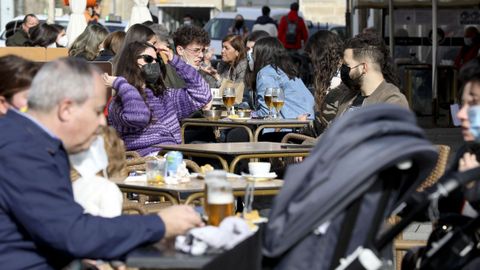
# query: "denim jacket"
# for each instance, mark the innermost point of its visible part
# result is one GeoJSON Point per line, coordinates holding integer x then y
{"type": "Point", "coordinates": [298, 99]}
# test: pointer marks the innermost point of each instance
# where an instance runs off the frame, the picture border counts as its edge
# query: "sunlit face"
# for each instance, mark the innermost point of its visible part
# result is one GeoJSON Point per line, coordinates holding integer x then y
{"type": "Point", "coordinates": [143, 57]}
{"type": "Point", "coordinates": [250, 45]}
{"type": "Point", "coordinates": [192, 53]}
{"type": "Point", "coordinates": [85, 119]}
{"type": "Point", "coordinates": [31, 22]}
{"type": "Point", "coordinates": [470, 97]}
{"type": "Point", "coordinates": [229, 54]}
{"type": "Point", "coordinates": [356, 68]}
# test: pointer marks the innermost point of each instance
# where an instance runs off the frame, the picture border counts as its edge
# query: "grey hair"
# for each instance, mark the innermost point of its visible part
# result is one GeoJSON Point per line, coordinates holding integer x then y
{"type": "Point", "coordinates": [67, 78]}
{"type": "Point", "coordinates": [161, 32]}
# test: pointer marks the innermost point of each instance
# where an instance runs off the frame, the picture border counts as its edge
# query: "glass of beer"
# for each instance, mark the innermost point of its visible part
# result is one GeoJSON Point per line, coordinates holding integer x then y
{"type": "Point", "coordinates": [278, 99]}
{"type": "Point", "coordinates": [229, 98]}
{"type": "Point", "coordinates": [218, 197]}
{"type": "Point", "coordinates": [155, 170]}
{"type": "Point", "coordinates": [268, 101]}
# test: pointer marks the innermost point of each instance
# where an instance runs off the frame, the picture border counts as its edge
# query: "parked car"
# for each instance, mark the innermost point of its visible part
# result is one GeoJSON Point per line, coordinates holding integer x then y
{"type": "Point", "coordinates": [15, 24]}
{"type": "Point", "coordinates": [218, 26]}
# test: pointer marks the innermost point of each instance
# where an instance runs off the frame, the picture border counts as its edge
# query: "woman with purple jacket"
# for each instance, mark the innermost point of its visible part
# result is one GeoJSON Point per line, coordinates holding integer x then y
{"type": "Point", "coordinates": [144, 111]}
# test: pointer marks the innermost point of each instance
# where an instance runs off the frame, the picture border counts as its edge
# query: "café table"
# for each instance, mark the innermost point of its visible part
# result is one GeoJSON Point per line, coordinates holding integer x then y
{"type": "Point", "coordinates": [238, 151]}
{"type": "Point", "coordinates": [162, 255]}
{"type": "Point", "coordinates": [253, 127]}
{"type": "Point", "coordinates": [195, 188]}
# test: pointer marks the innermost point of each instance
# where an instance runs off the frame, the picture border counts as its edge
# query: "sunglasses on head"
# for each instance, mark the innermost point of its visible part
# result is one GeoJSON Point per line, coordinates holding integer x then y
{"type": "Point", "coordinates": [148, 58]}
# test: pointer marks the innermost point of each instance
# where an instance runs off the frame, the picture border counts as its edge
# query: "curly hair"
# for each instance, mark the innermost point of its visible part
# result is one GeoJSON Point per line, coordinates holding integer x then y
{"type": "Point", "coordinates": [369, 45]}
{"type": "Point", "coordinates": [324, 49]}
{"type": "Point", "coordinates": [87, 44]}
{"type": "Point", "coordinates": [189, 34]}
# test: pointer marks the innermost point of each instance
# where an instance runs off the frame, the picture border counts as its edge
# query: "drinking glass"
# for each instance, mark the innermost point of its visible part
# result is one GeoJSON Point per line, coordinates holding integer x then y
{"type": "Point", "coordinates": [218, 197]}
{"type": "Point", "coordinates": [229, 99]}
{"type": "Point", "coordinates": [155, 170]}
{"type": "Point", "coordinates": [268, 101]}
{"type": "Point", "coordinates": [278, 100]}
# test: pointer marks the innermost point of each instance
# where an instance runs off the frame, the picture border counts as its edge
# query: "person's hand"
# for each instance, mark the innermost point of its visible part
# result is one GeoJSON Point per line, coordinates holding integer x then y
{"type": "Point", "coordinates": [108, 80]}
{"type": "Point", "coordinates": [208, 106]}
{"type": "Point", "coordinates": [303, 117]}
{"type": "Point", "coordinates": [212, 71]}
{"type": "Point", "coordinates": [207, 56]}
{"type": "Point", "coordinates": [178, 219]}
{"type": "Point", "coordinates": [163, 49]}
{"type": "Point", "coordinates": [467, 162]}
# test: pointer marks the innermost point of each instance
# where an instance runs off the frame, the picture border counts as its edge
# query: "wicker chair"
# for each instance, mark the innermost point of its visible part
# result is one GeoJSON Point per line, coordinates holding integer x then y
{"type": "Point", "coordinates": [298, 138]}
{"type": "Point", "coordinates": [400, 244]}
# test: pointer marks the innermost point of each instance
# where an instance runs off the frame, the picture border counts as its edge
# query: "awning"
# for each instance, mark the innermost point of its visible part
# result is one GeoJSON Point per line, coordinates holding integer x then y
{"type": "Point", "coordinates": [415, 3]}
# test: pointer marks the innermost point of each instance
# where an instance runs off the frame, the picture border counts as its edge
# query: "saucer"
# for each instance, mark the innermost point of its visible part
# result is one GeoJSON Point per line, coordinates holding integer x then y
{"type": "Point", "coordinates": [262, 177]}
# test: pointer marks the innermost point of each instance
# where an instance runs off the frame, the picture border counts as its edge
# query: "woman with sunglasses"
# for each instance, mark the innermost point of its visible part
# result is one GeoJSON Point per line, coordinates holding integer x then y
{"type": "Point", "coordinates": [144, 111]}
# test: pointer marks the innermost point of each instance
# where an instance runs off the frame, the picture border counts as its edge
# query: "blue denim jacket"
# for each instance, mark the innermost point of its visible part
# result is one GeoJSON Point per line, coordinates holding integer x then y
{"type": "Point", "coordinates": [298, 99]}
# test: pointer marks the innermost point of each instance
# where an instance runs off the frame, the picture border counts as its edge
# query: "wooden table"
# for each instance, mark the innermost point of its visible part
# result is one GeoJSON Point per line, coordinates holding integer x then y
{"type": "Point", "coordinates": [195, 188]}
{"type": "Point", "coordinates": [238, 151]}
{"type": "Point", "coordinates": [252, 126]}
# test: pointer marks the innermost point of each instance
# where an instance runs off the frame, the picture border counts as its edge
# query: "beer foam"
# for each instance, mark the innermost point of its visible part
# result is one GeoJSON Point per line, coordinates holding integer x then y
{"type": "Point", "coordinates": [220, 198]}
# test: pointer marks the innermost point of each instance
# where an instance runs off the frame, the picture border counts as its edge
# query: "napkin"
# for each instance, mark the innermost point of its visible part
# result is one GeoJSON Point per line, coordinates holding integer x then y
{"type": "Point", "coordinates": [211, 239]}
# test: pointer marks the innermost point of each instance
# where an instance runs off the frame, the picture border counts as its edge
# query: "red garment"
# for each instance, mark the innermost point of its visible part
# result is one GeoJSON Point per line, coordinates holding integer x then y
{"type": "Point", "coordinates": [466, 54]}
{"type": "Point", "coordinates": [302, 32]}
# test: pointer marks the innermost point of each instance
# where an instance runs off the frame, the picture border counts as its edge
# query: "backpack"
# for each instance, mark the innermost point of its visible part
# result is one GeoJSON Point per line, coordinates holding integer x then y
{"type": "Point", "coordinates": [291, 35]}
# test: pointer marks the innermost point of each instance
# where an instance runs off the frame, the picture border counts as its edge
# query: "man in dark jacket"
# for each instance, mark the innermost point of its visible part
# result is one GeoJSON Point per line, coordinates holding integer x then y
{"type": "Point", "coordinates": [266, 23]}
{"type": "Point", "coordinates": [22, 36]}
{"type": "Point", "coordinates": [292, 31]}
{"type": "Point", "coordinates": [41, 226]}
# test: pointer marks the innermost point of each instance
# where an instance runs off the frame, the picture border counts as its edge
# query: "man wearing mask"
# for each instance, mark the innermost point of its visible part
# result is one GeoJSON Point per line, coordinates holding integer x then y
{"type": "Point", "coordinates": [238, 28]}
{"type": "Point", "coordinates": [22, 36]}
{"type": "Point", "coordinates": [363, 71]}
{"type": "Point", "coordinates": [470, 48]}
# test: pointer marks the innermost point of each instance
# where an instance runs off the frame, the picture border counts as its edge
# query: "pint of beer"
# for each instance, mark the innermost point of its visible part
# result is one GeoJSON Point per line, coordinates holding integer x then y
{"type": "Point", "coordinates": [218, 197]}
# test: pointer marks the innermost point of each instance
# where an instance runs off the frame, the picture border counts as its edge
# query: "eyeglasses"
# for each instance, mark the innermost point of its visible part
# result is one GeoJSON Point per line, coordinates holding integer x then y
{"type": "Point", "coordinates": [196, 51]}
{"type": "Point", "coordinates": [148, 58]}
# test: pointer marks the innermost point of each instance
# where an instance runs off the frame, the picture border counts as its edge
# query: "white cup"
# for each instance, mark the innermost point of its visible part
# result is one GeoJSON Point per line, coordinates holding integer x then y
{"type": "Point", "coordinates": [259, 168]}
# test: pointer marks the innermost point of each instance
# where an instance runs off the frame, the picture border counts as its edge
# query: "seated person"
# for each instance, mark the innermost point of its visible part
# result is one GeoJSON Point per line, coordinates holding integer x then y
{"type": "Point", "coordinates": [145, 112]}
{"type": "Point", "coordinates": [41, 226]}
{"type": "Point", "coordinates": [17, 75]}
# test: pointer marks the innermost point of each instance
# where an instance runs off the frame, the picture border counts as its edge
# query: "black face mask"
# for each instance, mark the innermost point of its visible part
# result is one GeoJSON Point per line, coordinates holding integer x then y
{"type": "Point", "coordinates": [238, 24]}
{"type": "Point", "coordinates": [345, 76]}
{"type": "Point", "coordinates": [151, 72]}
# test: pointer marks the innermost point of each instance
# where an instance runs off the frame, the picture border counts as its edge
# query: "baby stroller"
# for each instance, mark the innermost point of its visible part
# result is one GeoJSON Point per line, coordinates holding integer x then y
{"type": "Point", "coordinates": [336, 200]}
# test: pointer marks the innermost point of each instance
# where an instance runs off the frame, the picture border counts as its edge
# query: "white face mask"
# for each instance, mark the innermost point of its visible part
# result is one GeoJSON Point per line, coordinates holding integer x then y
{"type": "Point", "coordinates": [53, 45]}
{"type": "Point", "coordinates": [89, 162]}
{"type": "Point", "coordinates": [63, 41]}
{"type": "Point", "coordinates": [250, 59]}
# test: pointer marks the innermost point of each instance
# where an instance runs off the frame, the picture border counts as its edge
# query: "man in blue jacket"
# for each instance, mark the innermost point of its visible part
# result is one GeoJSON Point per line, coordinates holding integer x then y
{"type": "Point", "coordinates": [41, 226]}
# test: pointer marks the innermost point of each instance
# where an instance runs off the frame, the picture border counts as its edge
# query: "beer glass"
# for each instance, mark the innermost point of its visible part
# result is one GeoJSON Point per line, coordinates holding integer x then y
{"type": "Point", "coordinates": [268, 101]}
{"type": "Point", "coordinates": [278, 100]}
{"type": "Point", "coordinates": [229, 98]}
{"type": "Point", "coordinates": [218, 197]}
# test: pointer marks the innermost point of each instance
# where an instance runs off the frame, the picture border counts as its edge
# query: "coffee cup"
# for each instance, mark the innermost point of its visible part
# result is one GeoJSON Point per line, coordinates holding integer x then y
{"type": "Point", "coordinates": [259, 168]}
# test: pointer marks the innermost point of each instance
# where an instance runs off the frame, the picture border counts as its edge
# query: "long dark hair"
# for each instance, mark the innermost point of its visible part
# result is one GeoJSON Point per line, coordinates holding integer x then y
{"type": "Point", "coordinates": [17, 75]}
{"type": "Point", "coordinates": [325, 50]}
{"type": "Point", "coordinates": [137, 32]}
{"type": "Point", "coordinates": [269, 51]}
{"type": "Point", "coordinates": [43, 35]}
{"type": "Point", "coordinates": [130, 70]}
{"type": "Point", "coordinates": [372, 46]}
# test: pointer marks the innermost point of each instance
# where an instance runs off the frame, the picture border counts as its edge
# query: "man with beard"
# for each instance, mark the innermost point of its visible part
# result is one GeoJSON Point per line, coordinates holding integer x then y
{"type": "Point", "coordinates": [366, 71]}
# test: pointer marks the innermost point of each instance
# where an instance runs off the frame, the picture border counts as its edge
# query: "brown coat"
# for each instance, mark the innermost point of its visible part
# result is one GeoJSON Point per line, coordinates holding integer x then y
{"type": "Point", "coordinates": [385, 93]}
